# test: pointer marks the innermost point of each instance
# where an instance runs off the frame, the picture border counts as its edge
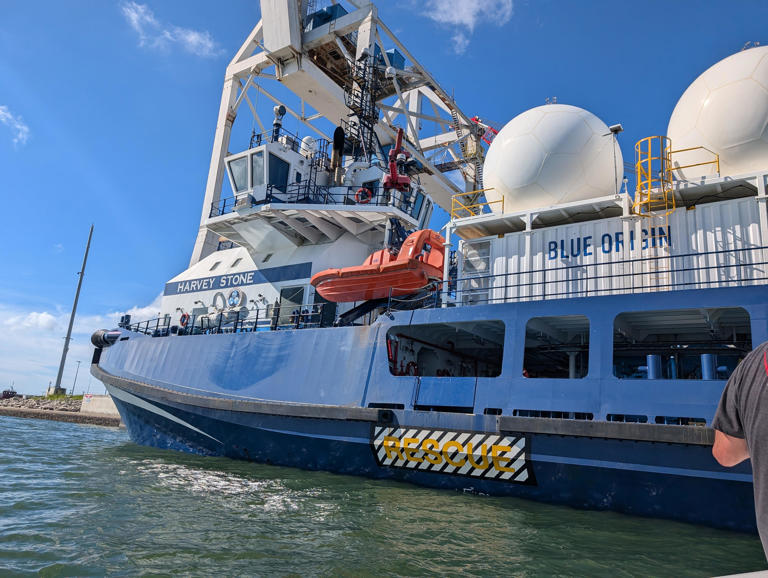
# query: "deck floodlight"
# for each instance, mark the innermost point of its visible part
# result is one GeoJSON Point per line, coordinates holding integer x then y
{"type": "Point", "coordinates": [616, 128]}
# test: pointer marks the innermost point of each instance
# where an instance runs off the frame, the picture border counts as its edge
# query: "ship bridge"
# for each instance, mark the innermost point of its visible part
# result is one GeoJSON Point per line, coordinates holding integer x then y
{"type": "Point", "coordinates": [285, 193]}
{"type": "Point", "coordinates": [332, 67]}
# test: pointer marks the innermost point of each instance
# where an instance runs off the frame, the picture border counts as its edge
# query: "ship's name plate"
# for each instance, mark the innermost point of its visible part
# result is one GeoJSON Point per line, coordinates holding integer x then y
{"type": "Point", "coordinates": [231, 280]}
{"type": "Point", "coordinates": [472, 454]}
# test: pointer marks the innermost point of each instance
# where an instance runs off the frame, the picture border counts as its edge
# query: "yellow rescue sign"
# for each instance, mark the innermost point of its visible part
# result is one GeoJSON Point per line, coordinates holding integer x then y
{"type": "Point", "coordinates": [472, 454]}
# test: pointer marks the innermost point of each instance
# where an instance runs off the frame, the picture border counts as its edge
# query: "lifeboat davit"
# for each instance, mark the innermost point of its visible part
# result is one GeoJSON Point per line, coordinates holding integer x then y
{"type": "Point", "coordinates": [419, 263]}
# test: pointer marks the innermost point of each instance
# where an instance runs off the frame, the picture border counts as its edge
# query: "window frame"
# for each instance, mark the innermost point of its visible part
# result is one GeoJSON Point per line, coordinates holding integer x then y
{"type": "Point", "coordinates": [587, 345]}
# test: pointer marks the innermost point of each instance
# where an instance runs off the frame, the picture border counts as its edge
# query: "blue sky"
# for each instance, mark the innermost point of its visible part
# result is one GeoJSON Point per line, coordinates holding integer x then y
{"type": "Point", "coordinates": [106, 121]}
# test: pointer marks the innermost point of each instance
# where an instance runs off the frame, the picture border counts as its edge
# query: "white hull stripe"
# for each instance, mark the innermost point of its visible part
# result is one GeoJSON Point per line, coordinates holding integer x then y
{"type": "Point", "coordinates": [138, 402]}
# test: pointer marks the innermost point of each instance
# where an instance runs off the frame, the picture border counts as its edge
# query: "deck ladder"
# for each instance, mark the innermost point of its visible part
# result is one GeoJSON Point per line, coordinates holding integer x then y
{"type": "Point", "coordinates": [655, 202]}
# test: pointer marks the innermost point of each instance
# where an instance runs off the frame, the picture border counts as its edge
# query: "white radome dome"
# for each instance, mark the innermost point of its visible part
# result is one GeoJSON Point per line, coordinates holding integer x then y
{"type": "Point", "coordinates": [549, 155]}
{"type": "Point", "coordinates": [725, 110]}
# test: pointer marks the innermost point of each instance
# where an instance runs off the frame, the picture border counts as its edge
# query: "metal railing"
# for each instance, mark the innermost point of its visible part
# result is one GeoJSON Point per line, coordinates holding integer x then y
{"type": "Point", "coordinates": [268, 318]}
{"type": "Point", "coordinates": [461, 208]}
{"type": "Point", "coordinates": [304, 193]}
{"type": "Point", "coordinates": [715, 161]}
{"type": "Point", "coordinates": [284, 137]}
{"type": "Point", "coordinates": [656, 172]}
{"type": "Point", "coordinates": [721, 268]}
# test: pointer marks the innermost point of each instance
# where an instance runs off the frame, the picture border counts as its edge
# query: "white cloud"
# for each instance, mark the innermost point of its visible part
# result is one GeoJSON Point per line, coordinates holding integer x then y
{"type": "Point", "coordinates": [42, 321]}
{"type": "Point", "coordinates": [156, 34]}
{"type": "Point", "coordinates": [465, 15]}
{"type": "Point", "coordinates": [31, 344]}
{"type": "Point", "coordinates": [460, 42]}
{"type": "Point", "coordinates": [16, 124]}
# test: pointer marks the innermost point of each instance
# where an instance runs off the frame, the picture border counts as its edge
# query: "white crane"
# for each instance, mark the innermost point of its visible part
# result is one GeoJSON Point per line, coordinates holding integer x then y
{"type": "Point", "coordinates": [344, 67]}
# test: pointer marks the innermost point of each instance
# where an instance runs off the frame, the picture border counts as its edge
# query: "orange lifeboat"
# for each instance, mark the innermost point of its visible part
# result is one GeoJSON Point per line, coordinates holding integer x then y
{"type": "Point", "coordinates": [419, 263]}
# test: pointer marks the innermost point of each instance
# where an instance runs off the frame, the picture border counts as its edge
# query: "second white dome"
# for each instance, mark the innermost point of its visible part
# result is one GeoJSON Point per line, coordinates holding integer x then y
{"type": "Point", "coordinates": [725, 110]}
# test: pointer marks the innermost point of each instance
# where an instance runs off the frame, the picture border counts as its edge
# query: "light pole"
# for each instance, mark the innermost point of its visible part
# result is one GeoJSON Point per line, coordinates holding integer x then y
{"type": "Point", "coordinates": [81, 274]}
{"type": "Point", "coordinates": [74, 383]}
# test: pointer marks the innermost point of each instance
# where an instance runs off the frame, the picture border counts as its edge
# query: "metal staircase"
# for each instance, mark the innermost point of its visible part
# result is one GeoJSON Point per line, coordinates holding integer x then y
{"type": "Point", "coordinates": [360, 94]}
{"type": "Point", "coordinates": [472, 155]}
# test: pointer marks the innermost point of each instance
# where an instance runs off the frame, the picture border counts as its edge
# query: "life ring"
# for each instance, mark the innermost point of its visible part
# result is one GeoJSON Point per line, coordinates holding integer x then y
{"type": "Point", "coordinates": [363, 196]}
{"type": "Point", "coordinates": [411, 368]}
{"type": "Point", "coordinates": [184, 319]}
{"type": "Point", "coordinates": [219, 302]}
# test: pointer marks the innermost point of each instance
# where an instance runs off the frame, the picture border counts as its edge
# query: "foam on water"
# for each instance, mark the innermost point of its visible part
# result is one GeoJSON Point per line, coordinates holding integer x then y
{"type": "Point", "coordinates": [83, 500]}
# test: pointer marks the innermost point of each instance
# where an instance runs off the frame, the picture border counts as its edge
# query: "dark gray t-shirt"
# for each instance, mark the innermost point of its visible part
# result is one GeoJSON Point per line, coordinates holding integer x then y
{"type": "Point", "coordinates": [743, 413]}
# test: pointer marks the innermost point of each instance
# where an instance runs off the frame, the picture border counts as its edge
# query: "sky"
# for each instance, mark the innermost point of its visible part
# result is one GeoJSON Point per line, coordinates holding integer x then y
{"type": "Point", "coordinates": [108, 109]}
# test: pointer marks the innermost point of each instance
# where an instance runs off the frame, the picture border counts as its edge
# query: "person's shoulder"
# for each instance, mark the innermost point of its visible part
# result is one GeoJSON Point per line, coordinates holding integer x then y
{"type": "Point", "coordinates": [755, 360]}
{"type": "Point", "coordinates": [759, 352]}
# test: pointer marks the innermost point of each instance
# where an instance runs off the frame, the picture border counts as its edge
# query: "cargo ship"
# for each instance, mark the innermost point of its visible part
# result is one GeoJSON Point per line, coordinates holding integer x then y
{"type": "Point", "coordinates": [562, 338]}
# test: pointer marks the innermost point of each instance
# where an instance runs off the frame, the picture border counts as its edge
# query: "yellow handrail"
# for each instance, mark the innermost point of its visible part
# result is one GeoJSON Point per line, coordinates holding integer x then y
{"type": "Point", "coordinates": [715, 161]}
{"type": "Point", "coordinates": [654, 192]}
{"type": "Point", "coordinates": [460, 210]}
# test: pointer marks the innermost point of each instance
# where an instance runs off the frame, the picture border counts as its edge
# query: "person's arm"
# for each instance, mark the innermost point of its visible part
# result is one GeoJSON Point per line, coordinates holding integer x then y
{"type": "Point", "coordinates": [730, 447]}
{"type": "Point", "coordinates": [729, 450]}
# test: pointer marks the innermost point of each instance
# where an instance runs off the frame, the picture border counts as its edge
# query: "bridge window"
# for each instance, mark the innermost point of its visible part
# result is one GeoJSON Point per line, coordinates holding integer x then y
{"type": "Point", "coordinates": [257, 168]}
{"type": "Point", "coordinates": [461, 349]}
{"type": "Point", "coordinates": [557, 347]}
{"type": "Point", "coordinates": [278, 172]}
{"type": "Point", "coordinates": [704, 343]}
{"type": "Point", "coordinates": [417, 202]}
{"type": "Point", "coordinates": [238, 168]}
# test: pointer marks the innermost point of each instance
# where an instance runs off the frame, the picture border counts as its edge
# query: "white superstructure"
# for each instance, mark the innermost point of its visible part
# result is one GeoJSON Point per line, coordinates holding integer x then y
{"type": "Point", "coordinates": [551, 220]}
{"type": "Point", "coordinates": [310, 110]}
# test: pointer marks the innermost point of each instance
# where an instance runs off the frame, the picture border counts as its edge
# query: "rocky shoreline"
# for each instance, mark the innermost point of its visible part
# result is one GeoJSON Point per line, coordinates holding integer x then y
{"type": "Point", "coordinates": [42, 403]}
{"type": "Point", "coordinates": [59, 409]}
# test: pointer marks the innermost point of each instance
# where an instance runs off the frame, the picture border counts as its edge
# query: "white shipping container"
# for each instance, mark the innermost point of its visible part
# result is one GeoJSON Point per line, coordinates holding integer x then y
{"type": "Point", "coordinates": [712, 245]}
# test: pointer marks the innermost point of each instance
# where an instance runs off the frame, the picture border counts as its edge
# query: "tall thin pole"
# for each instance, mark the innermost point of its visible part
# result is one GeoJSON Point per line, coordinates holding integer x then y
{"type": "Point", "coordinates": [74, 310]}
{"type": "Point", "coordinates": [74, 383]}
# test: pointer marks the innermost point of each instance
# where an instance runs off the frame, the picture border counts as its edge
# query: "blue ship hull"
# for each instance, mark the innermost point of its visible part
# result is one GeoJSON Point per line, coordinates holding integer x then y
{"type": "Point", "coordinates": [324, 399]}
{"type": "Point", "coordinates": [641, 478]}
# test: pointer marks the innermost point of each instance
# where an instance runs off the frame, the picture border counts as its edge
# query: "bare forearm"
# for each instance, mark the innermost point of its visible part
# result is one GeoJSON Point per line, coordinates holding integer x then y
{"type": "Point", "coordinates": [729, 450]}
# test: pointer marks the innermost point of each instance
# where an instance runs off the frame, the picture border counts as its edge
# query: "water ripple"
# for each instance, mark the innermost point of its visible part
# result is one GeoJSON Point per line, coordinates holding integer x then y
{"type": "Point", "coordinates": [82, 500]}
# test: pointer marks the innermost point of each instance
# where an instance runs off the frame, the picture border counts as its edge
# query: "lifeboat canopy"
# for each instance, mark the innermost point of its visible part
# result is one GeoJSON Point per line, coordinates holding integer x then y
{"type": "Point", "coordinates": [386, 274]}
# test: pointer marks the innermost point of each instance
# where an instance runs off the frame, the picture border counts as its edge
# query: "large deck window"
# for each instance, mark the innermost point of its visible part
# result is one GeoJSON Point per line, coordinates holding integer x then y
{"type": "Point", "coordinates": [461, 349]}
{"type": "Point", "coordinates": [557, 347]}
{"type": "Point", "coordinates": [704, 343]}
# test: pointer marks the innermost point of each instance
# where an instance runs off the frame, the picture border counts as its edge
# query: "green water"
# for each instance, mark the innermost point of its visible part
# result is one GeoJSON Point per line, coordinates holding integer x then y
{"type": "Point", "coordinates": [80, 500]}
